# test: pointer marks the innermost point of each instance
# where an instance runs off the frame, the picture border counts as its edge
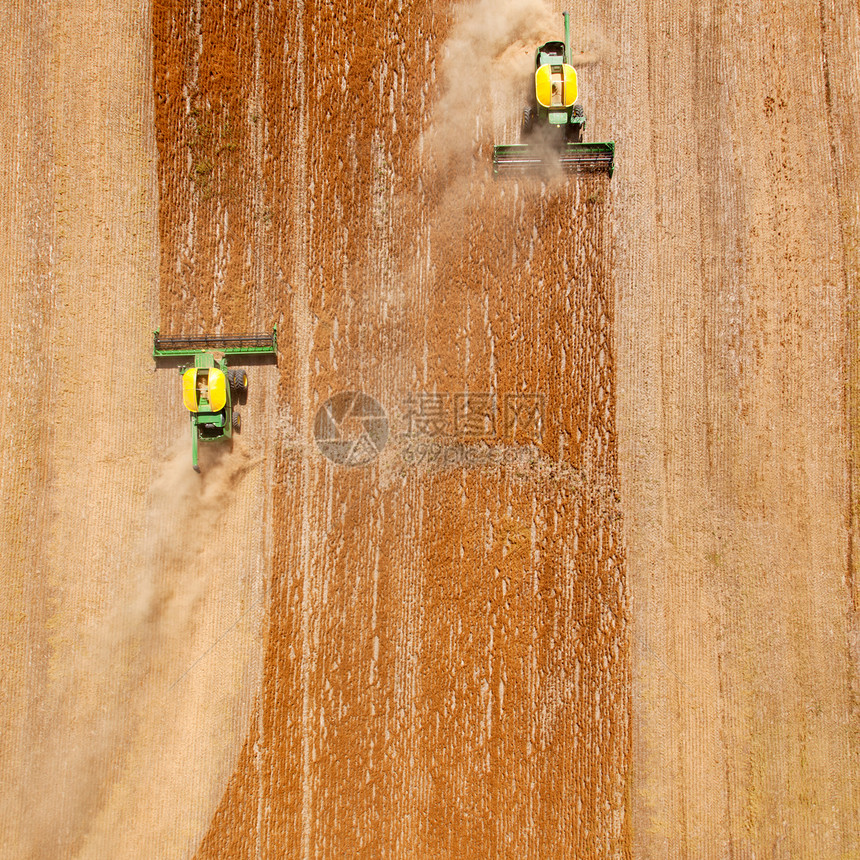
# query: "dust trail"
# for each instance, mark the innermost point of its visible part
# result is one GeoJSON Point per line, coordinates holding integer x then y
{"type": "Point", "coordinates": [485, 60]}
{"type": "Point", "coordinates": [184, 514]}
{"type": "Point", "coordinates": [125, 662]}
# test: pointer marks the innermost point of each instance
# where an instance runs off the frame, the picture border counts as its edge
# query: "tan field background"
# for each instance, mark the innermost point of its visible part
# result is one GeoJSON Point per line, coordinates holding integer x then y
{"type": "Point", "coordinates": [622, 625]}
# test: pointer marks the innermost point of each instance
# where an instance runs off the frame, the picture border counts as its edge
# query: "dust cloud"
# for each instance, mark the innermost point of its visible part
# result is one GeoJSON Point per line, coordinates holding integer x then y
{"type": "Point", "coordinates": [486, 59]}
{"type": "Point", "coordinates": [184, 512]}
{"type": "Point", "coordinates": [126, 664]}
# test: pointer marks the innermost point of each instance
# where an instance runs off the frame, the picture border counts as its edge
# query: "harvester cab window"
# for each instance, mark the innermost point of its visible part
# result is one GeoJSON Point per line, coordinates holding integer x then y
{"type": "Point", "coordinates": [551, 52]}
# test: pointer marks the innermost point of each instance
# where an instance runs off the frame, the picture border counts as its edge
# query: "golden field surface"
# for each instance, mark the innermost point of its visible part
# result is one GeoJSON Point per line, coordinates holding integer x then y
{"type": "Point", "coordinates": [589, 588]}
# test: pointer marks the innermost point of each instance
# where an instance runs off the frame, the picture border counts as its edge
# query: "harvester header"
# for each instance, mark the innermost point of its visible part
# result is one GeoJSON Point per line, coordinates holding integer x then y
{"type": "Point", "coordinates": [227, 344]}
{"type": "Point", "coordinates": [526, 158]}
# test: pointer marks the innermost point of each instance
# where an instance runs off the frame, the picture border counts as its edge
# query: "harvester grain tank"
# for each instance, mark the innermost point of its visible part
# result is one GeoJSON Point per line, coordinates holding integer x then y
{"type": "Point", "coordinates": [210, 389]}
{"type": "Point", "coordinates": [553, 124]}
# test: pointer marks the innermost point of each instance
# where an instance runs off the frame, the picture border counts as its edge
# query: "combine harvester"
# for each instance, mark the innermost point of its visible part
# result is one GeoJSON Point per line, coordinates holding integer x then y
{"type": "Point", "coordinates": [209, 387]}
{"type": "Point", "coordinates": [552, 125]}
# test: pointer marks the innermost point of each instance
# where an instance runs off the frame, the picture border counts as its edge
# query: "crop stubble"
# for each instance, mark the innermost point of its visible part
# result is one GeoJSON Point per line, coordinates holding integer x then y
{"type": "Point", "coordinates": [737, 272]}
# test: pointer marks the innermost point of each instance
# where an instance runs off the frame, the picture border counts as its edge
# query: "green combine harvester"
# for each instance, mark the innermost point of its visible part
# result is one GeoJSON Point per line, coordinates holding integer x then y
{"type": "Point", "coordinates": [209, 387]}
{"type": "Point", "coordinates": [552, 125]}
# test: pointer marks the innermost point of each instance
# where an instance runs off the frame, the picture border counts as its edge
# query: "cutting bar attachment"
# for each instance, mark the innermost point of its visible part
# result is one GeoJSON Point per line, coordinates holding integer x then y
{"type": "Point", "coordinates": [524, 158]}
{"type": "Point", "coordinates": [228, 344]}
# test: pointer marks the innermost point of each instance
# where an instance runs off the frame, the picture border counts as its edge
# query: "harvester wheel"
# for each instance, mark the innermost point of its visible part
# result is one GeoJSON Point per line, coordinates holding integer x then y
{"type": "Point", "coordinates": [237, 422]}
{"type": "Point", "coordinates": [573, 132]}
{"type": "Point", "coordinates": [528, 122]}
{"type": "Point", "coordinates": [238, 380]}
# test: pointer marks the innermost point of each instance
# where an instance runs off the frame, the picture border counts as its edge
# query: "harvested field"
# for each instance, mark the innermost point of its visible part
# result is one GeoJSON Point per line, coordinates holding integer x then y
{"type": "Point", "coordinates": [587, 586]}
